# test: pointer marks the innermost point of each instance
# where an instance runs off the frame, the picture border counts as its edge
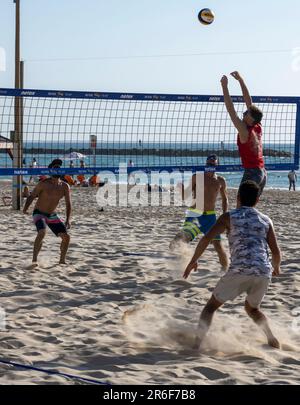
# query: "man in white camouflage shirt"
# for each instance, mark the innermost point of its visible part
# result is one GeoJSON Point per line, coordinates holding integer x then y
{"type": "Point", "coordinates": [250, 233]}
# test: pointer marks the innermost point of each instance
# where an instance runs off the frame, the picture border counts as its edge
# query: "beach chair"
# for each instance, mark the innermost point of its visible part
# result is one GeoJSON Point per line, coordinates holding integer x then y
{"type": "Point", "coordinates": [81, 180]}
{"type": "Point", "coordinates": [6, 199]}
{"type": "Point", "coordinates": [69, 180]}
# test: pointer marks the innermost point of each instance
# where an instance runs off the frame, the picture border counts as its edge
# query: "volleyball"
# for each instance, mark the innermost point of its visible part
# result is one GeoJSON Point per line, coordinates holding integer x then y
{"type": "Point", "coordinates": [206, 16]}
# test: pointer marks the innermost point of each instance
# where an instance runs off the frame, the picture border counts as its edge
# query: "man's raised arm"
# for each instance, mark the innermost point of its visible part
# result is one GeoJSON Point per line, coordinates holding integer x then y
{"type": "Point", "coordinates": [245, 91]}
{"type": "Point", "coordinates": [237, 122]}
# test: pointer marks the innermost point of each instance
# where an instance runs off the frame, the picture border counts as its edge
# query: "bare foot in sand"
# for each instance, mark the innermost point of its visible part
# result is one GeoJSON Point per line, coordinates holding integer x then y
{"type": "Point", "coordinates": [32, 266]}
{"type": "Point", "coordinates": [197, 343]}
{"type": "Point", "coordinates": [273, 342]}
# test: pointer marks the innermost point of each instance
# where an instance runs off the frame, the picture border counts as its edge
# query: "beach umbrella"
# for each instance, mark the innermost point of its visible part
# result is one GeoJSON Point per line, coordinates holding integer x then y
{"type": "Point", "coordinates": [73, 156]}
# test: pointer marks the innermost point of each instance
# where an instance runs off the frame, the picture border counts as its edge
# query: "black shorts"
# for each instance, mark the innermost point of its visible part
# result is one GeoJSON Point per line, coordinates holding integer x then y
{"type": "Point", "coordinates": [259, 176]}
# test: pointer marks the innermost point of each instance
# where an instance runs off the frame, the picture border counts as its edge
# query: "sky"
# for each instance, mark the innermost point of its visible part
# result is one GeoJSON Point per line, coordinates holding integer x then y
{"type": "Point", "coordinates": [154, 46]}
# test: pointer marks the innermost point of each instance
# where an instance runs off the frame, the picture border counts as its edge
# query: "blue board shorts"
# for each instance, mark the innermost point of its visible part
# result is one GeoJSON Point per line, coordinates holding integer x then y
{"type": "Point", "coordinates": [197, 222]}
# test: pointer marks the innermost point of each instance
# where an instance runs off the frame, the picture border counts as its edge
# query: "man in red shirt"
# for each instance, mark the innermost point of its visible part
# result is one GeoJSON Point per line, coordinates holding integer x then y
{"type": "Point", "coordinates": [250, 134]}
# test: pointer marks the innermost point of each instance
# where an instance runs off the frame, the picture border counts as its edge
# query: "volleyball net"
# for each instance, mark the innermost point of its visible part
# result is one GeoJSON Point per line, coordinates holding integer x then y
{"type": "Point", "coordinates": [95, 131]}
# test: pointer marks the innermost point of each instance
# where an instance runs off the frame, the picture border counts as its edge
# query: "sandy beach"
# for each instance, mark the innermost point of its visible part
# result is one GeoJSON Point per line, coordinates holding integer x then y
{"type": "Point", "coordinates": [120, 311]}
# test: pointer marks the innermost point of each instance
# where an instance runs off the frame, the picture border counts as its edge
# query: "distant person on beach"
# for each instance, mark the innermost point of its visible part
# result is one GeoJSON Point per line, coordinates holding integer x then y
{"type": "Point", "coordinates": [249, 139]}
{"type": "Point", "coordinates": [82, 165]}
{"type": "Point", "coordinates": [33, 165]}
{"type": "Point", "coordinates": [131, 175]}
{"type": "Point", "coordinates": [49, 192]}
{"type": "Point", "coordinates": [250, 271]}
{"type": "Point", "coordinates": [25, 191]}
{"type": "Point", "coordinates": [199, 219]}
{"type": "Point", "coordinates": [292, 176]}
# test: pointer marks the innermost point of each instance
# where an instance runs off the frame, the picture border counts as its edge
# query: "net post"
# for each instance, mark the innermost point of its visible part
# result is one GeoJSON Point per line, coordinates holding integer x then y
{"type": "Point", "coordinates": [297, 138]}
{"type": "Point", "coordinates": [16, 183]}
{"type": "Point", "coordinates": [17, 134]}
{"type": "Point", "coordinates": [93, 145]}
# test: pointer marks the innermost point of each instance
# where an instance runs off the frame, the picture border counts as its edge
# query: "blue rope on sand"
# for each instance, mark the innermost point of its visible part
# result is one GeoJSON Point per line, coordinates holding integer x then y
{"type": "Point", "coordinates": [42, 370]}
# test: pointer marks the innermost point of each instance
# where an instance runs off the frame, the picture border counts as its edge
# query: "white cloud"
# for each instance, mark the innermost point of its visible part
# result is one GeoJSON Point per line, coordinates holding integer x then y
{"type": "Point", "coordinates": [296, 60]}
